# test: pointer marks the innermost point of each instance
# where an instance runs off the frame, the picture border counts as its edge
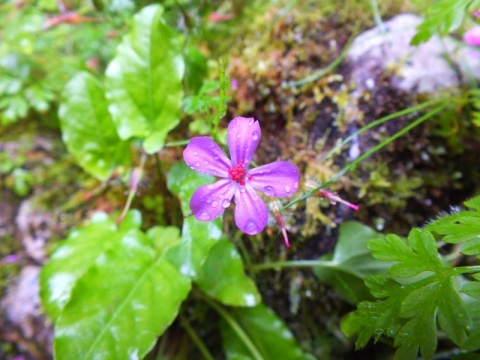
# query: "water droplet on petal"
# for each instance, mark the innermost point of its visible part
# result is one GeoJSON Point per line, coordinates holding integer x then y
{"type": "Point", "coordinates": [295, 185]}
{"type": "Point", "coordinates": [197, 164]}
{"type": "Point", "coordinates": [255, 136]}
{"type": "Point", "coordinates": [204, 216]}
{"type": "Point", "coordinates": [215, 156]}
{"type": "Point", "coordinates": [250, 123]}
{"type": "Point", "coordinates": [242, 189]}
{"type": "Point", "coordinates": [214, 204]}
{"type": "Point", "coordinates": [269, 190]}
{"type": "Point", "coordinates": [287, 189]}
{"type": "Point", "coordinates": [212, 145]}
{"type": "Point", "coordinates": [238, 136]}
{"type": "Point", "coordinates": [210, 186]}
{"type": "Point", "coordinates": [251, 227]}
{"type": "Point", "coordinates": [226, 203]}
{"type": "Point", "coordinates": [195, 153]}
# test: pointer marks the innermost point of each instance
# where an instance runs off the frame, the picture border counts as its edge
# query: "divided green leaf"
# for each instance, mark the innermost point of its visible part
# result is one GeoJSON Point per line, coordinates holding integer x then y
{"type": "Point", "coordinates": [461, 227]}
{"type": "Point", "coordinates": [415, 298]}
{"type": "Point", "coordinates": [444, 17]}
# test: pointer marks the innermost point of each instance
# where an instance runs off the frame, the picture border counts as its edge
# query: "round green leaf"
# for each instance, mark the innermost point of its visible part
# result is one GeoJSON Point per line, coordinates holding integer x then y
{"type": "Point", "coordinates": [121, 305]}
{"type": "Point", "coordinates": [223, 278]}
{"type": "Point", "coordinates": [87, 128]}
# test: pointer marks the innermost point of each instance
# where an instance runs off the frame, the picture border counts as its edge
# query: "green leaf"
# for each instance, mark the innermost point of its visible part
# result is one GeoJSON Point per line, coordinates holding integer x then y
{"type": "Point", "coordinates": [372, 319]}
{"type": "Point", "coordinates": [419, 255]}
{"type": "Point", "coordinates": [87, 128]}
{"type": "Point", "coordinates": [198, 237]}
{"type": "Point", "coordinates": [144, 80]}
{"type": "Point", "coordinates": [72, 259]}
{"type": "Point", "coordinates": [222, 277]}
{"type": "Point", "coordinates": [265, 330]}
{"type": "Point", "coordinates": [408, 307]}
{"type": "Point", "coordinates": [444, 17]}
{"type": "Point", "coordinates": [351, 262]}
{"type": "Point", "coordinates": [121, 304]}
{"type": "Point", "coordinates": [461, 227]}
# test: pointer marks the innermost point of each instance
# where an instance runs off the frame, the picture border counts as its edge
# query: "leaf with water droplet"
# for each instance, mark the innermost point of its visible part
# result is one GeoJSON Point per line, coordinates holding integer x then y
{"type": "Point", "coordinates": [223, 278]}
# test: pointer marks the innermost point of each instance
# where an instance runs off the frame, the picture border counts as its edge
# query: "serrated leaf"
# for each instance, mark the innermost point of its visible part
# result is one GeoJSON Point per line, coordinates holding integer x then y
{"type": "Point", "coordinates": [409, 306]}
{"type": "Point", "coordinates": [222, 277]}
{"type": "Point", "coordinates": [374, 319]}
{"type": "Point", "coordinates": [144, 80]}
{"type": "Point", "coordinates": [461, 227]}
{"type": "Point", "coordinates": [411, 260]}
{"type": "Point", "coordinates": [266, 331]}
{"type": "Point", "coordinates": [72, 259]}
{"type": "Point", "coordinates": [87, 128]}
{"type": "Point", "coordinates": [444, 17]}
{"type": "Point", "coordinates": [121, 304]}
{"type": "Point", "coordinates": [351, 262]}
{"type": "Point", "coordinates": [198, 237]}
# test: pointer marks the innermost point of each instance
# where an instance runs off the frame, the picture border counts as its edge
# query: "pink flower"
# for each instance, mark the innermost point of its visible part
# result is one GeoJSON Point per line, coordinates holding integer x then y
{"type": "Point", "coordinates": [472, 36]}
{"type": "Point", "coordinates": [278, 179]}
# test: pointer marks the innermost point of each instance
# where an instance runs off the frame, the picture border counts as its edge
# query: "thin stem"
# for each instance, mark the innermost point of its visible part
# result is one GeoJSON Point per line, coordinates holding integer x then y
{"type": "Point", "coordinates": [378, 122]}
{"type": "Point", "coordinates": [287, 264]}
{"type": "Point", "coordinates": [467, 269]}
{"type": "Point", "coordinates": [376, 15]}
{"type": "Point", "coordinates": [353, 164]}
{"type": "Point", "coordinates": [235, 327]}
{"type": "Point", "coordinates": [177, 143]}
{"type": "Point", "coordinates": [135, 179]}
{"type": "Point", "coordinates": [196, 339]}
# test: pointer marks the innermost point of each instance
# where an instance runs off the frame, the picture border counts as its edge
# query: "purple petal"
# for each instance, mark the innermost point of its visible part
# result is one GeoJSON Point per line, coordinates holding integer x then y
{"type": "Point", "coordinates": [251, 213]}
{"type": "Point", "coordinates": [278, 179]}
{"type": "Point", "coordinates": [210, 201]}
{"type": "Point", "coordinates": [243, 136]}
{"type": "Point", "coordinates": [203, 154]}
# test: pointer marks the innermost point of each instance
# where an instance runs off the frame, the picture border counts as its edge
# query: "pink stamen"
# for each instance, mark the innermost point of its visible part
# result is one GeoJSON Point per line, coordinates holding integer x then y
{"type": "Point", "coordinates": [237, 173]}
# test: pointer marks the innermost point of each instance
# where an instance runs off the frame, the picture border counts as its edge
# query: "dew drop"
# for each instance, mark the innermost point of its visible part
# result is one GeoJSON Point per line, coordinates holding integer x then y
{"type": "Point", "coordinates": [225, 203]}
{"type": "Point", "coordinates": [403, 334]}
{"type": "Point", "coordinates": [255, 136]}
{"type": "Point", "coordinates": [295, 185]}
{"type": "Point", "coordinates": [460, 315]}
{"type": "Point", "coordinates": [242, 189]}
{"type": "Point", "coordinates": [251, 226]}
{"type": "Point", "coordinates": [250, 123]}
{"type": "Point", "coordinates": [204, 216]}
{"type": "Point", "coordinates": [238, 136]}
{"type": "Point", "coordinates": [212, 145]}
{"type": "Point", "coordinates": [197, 164]}
{"type": "Point", "coordinates": [210, 186]}
{"type": "Point", "coordinates": [287, 189]}
{"type": "Point", "coordinates": [215, 156]}
{"type": "Point", "coordinates": [214, 204]}
{"type": "Point", "coordinates": [195, 153]}
{"type": "Point", "coordinates": [269, 190]}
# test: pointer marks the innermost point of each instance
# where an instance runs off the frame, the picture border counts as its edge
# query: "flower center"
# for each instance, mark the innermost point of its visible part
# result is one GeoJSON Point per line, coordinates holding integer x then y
{"type": "Point", "coordinates": [237, 173]}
